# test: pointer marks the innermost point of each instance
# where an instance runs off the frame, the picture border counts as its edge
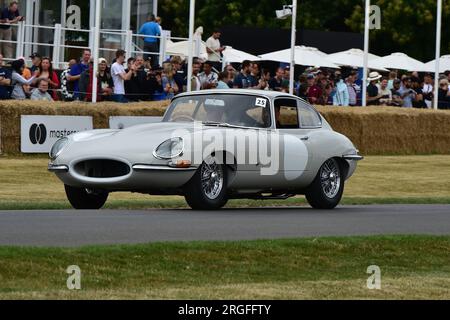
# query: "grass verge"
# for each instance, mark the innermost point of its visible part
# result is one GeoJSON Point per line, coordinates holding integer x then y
{"type": "Point", "coordinates": [412, 267]}
{"type": "Point", "coordinates": [26, 184]}
{"type": "Point", "coordinates": [179, 203]}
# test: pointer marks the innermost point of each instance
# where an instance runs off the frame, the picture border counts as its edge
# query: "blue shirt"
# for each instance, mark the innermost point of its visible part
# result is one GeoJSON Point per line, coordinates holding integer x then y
{"type": "Point", "coordinates": [242, 81]}
{"type": "Point", "coordinates": [4, 90]}
{"type": "Point", "coordinates": [76, 70]}
{"type": "Point", "coordinates": [150, 29]}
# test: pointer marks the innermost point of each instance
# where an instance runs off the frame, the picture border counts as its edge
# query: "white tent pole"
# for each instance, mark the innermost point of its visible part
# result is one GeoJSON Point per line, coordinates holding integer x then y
{"type": "Point", "coordinates": [95, 54]}
{"type": "Point", "coordinates": [438, 53]}
{"type": "Point", "coordinates": [191, 44]}
{"type": "Point", "coordinates": [293, 40]}
{"type": "Point", "coordinates": [366, 53]}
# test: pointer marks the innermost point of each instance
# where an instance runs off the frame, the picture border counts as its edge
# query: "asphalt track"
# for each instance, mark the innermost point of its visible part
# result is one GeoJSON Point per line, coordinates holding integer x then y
{"type": "Point", "coordinates": [67, 228]}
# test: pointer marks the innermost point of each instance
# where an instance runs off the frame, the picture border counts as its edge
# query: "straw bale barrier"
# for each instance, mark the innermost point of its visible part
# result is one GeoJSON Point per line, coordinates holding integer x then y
{"type": "Point", "coordinates": [374, 130]}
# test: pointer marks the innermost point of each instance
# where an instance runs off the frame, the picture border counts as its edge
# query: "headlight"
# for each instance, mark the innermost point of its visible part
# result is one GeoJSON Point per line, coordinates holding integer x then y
{"type": "Point", "coordinates": [169, 149]}
{"type": "Point", "coordinates": [58, 148]}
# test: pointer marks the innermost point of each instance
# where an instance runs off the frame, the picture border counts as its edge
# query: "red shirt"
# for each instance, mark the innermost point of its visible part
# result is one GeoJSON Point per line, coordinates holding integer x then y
{"type": "Point", "coordinates": [314, 92]}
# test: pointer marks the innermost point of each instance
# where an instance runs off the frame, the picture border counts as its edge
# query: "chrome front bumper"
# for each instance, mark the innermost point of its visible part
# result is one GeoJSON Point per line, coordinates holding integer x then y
{"type": "Point", "coordinates": [57, 168]}
{"type": "Point", "coordinates": [353, 157]}
{"type": "Point", "coordinates": [141, 177]}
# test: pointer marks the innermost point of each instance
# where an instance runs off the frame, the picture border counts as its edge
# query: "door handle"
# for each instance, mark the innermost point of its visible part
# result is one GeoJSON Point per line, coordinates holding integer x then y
{"type": "Point", "coordinates": [305, 138]}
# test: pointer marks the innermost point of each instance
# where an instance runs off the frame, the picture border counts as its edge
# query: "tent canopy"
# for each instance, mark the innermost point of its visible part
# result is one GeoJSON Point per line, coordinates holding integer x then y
{"type": "Point", "coordinates": [400, 61]}
{"type": "Point", "coordinates": [231, 55]}
{"type": "Point", "coordinates": [304, 56]}
{"type": "Point", "coordinates": [353, 58]}
{"type": "Point", "coordinates": [181, 48]}
{"type": "Point", "coordinates": [444, 64]}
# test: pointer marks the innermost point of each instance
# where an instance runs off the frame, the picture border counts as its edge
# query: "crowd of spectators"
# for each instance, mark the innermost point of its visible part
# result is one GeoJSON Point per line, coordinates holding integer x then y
{"type": "Point", "coordinates": [140, 78]}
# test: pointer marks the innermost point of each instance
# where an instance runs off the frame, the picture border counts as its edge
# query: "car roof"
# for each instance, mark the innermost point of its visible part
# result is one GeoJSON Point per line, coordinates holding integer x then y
{"type": "Point", "coordinates": [265, 93]}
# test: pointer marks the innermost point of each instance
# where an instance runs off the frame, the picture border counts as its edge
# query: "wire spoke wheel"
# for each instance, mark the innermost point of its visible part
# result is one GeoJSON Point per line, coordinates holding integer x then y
{"type": "Point", "coordinates": [207, 190]}
{"type": "Point", "coordinates": [212, 178]}
{"type": "Point", "coordinates": [330, 178]}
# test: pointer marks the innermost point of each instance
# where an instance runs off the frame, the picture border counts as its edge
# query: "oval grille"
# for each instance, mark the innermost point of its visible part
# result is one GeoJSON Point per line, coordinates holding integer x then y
{"type": "Point", "coordinates": [102, 168]}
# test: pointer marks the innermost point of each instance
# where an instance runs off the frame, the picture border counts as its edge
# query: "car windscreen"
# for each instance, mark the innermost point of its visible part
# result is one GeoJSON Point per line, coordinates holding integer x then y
{"type": "Point", "coordinates": [236, 110]}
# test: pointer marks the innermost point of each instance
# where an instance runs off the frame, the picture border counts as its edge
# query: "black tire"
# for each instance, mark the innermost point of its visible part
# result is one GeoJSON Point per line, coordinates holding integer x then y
{"type": "Point", "coordinates": [81, 199]}
{"type": "Point", "coordinates": [195, 194]}
{"type": "Point", "coordinates": [317, 194]}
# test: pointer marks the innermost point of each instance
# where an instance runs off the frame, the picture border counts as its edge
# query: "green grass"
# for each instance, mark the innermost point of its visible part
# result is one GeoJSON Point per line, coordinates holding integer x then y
{"type": "Point", "coordinates": [325, 268]}
{"type": "Point", "coordinates": [179, 203]}
{"type": "Point", "coordinates": [26, 184]}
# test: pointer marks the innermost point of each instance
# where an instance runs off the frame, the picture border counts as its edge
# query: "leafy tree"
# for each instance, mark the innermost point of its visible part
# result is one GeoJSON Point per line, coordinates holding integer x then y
{"type": "Point", "coordinates": [407, 25]}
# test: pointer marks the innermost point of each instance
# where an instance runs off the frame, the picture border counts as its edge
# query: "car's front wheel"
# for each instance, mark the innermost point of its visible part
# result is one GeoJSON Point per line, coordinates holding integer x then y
{"type": "Point", "coordinates": [327, 188]}
{"type": "Point", "coordinates": [83, 199]}
{"type": "Point", "coordinates": [207, 188]}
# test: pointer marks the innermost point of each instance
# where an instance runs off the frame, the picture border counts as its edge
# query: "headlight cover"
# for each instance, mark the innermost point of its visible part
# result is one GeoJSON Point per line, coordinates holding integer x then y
{"type": "Point", "coordinates": [58, 148]}
{"type": "Point", "coordinates": [169, 149]}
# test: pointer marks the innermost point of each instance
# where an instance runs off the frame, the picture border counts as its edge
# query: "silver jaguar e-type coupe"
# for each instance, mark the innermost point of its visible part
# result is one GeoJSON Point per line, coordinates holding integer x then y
{"type": "Point", "coordinates": [212, 146]}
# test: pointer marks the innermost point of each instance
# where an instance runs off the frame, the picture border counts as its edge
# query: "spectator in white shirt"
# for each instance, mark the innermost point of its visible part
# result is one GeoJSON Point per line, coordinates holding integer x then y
{"type": "Point", "coordinates": [214, 48]}
{"type": "Point", "coordinates": [384, 92]}
{"type": "Point", "coordinates": [208, 78]}
{"type": "Point", "coordinates": [427, 90]}
{"type": "Point", "coordinates": [195, 82]}
{"type": "Point", "coordinates": [119, 76]}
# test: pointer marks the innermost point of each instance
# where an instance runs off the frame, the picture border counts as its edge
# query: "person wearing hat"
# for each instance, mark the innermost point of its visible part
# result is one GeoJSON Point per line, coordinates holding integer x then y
{"type": "Point", "coordinates": [105, 84]}
{"type": "Point", "coordinates": [313, 91]}
{"type": "Point", "coordinates": [373, 96]}
{"type": "Point", "coordinates": [444, 94]}
{"type": "Point", "coordinates": [36, 60]}
{"type": "Point", "coordinates": [286, 79]}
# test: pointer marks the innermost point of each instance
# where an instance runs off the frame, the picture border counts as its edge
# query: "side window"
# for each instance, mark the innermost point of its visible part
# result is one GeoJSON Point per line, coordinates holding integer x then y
{"type": "Point", "coordinates": [309, 118]}
{"type": "Point", "coordinates": [286, 114]}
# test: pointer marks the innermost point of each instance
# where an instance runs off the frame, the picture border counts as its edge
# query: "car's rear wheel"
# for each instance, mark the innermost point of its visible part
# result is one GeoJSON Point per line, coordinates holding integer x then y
{"type": "Point", "coordinates": [83, 199]}
{"type": "Point", "coordinates": [327, 188]}
{"type": "Point", "coordinates": [207, 188]}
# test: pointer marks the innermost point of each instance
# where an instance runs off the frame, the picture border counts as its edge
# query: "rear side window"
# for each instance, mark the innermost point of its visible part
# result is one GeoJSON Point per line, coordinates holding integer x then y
{"type": "Point", "coordinates": [286, 114]}
{"type": "Point", "coordinates": [309, 117]}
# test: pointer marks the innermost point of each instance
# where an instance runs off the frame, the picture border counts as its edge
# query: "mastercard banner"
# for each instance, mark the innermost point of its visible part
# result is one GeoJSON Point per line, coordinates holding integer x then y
{"type": "Point", "coordinates": [39, 133]}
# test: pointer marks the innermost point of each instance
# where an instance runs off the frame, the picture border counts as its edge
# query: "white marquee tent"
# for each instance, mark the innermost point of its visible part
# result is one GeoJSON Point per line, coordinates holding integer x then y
{"type": "Point", "coordinates": [353, 58]}
{"type": "Point", "coordinates": [305, 56]}
{"type": "Point", "coordinates": [444, 64]}
{"type": "Point", "coordinates": [398, 61]}
{"type": "Point", "coordinates": [231, 55]}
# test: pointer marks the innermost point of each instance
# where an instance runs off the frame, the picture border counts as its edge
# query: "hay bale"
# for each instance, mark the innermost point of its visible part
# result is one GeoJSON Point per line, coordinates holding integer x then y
{"type": "Point", "coordinates": [374, 130]}
{"type": "Point", "coordinates": [386, 130]}
{"type": "Point", "coordinates": [10, 112]}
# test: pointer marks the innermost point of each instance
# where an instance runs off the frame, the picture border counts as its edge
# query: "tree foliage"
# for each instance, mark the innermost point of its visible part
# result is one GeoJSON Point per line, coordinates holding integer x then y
{"type": "Point", "coordinates": [407, 25]}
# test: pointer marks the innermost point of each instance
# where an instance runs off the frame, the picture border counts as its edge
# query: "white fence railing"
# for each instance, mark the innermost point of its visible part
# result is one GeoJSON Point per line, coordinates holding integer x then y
{"type": "Point", "coordinates": [110, 40]}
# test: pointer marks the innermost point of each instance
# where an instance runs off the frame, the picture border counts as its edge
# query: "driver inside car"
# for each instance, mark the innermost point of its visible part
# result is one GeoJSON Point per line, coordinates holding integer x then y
{"type": "Point", "coordinates": [214, 113]}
